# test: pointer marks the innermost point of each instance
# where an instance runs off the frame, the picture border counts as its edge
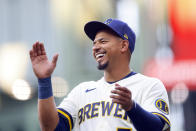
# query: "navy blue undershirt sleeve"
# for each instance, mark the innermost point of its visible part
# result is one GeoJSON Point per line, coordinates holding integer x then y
{"type": "Point", "coordinates": [144, 120]}
{"type": "Point", "coordinates": [64, 124]}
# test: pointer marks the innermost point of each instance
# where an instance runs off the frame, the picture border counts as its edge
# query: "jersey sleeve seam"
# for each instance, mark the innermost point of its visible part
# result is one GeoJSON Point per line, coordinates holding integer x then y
{"type": "Point", "coordinates": [66, 115]}
{"type": "Point", "coordinates": [163, 117]}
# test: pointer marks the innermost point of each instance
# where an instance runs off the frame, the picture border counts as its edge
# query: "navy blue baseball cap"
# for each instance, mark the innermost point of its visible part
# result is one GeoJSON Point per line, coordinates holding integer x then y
{"type": "Point", "coordinates": [118, 27]}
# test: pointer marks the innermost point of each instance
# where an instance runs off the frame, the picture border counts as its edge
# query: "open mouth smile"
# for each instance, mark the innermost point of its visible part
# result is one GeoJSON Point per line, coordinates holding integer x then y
{"type": "Point", "coordinates": [99, 56]}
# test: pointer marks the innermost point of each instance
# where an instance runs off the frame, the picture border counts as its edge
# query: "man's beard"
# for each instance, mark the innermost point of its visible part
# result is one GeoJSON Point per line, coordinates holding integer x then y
{"type": "Point", "coordinates": [102, 67]}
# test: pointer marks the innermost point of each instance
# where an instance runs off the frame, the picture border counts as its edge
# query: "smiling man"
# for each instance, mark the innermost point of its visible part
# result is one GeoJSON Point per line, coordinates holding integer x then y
{"type": "Point", "coordinates": [121, 100]}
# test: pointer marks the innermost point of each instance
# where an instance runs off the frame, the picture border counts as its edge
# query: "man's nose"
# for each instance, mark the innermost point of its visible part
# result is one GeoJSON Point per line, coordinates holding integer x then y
{"type": "Point", "coordinates": [96, 47]}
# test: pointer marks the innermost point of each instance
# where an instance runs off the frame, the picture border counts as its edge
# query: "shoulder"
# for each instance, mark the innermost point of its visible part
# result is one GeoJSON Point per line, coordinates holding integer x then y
{"type": "Point", "coordinates": [148, 79]}
{"type": "Point", "coordinates": [87, 84]}
{"type": "Point", "coordinates": [149, 83]}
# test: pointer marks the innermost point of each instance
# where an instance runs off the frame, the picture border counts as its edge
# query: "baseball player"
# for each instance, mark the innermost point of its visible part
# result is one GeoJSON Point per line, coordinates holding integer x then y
{"type": "Point", "coordinates": [121, 100]}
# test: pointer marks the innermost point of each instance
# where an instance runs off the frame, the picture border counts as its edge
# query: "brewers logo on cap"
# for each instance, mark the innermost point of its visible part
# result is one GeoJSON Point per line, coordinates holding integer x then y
{"type": "Point", "coordinates": [125, 35]}
{"type": "Point", "coordinates": [108, 21]}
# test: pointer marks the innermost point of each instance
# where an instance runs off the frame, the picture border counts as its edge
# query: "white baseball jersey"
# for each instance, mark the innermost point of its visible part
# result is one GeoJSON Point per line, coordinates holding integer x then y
{"type": "Point", "coordinates": [92, 109]}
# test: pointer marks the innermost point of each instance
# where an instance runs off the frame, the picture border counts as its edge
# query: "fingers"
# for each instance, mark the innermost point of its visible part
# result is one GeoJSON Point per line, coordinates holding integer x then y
{"type": "Point", "coordinates": [34, 49]}
{"type": "Point", "coordinates": [118, 98]}
{"type": "Point", "coordinates": [121, 93]}
{"type": "Point", "coordinates": [124, 89]}
{"type": "Point", "coordinates": [43, 52]}
{"type": "Point", "coordinates": [38, 49]}
{"type": "Point", "coordinates": [122, 96]}
{"type": "Point", "coordinates": [122, 103]}
{"type": "Point", "coordinates": [31, 54]}
{"type": "Point", "coordinates": [55, 58]}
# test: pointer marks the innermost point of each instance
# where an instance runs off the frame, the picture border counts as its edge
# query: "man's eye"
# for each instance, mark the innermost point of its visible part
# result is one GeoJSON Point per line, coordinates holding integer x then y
{"type": "Point", "coordinates": [103, 41]}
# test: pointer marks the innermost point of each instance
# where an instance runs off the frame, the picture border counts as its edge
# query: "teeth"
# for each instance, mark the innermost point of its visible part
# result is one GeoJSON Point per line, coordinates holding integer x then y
{"type": "Point", "coordinates": [99, 55]}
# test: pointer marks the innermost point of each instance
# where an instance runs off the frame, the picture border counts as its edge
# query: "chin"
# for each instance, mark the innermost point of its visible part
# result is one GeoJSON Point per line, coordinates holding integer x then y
{"type": "Point", "coordinates": [102, 66]}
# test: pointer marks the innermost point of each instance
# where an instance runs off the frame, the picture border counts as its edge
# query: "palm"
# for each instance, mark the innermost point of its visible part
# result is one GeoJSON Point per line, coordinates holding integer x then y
{"type": "Point", "coordinates": [42, 67]}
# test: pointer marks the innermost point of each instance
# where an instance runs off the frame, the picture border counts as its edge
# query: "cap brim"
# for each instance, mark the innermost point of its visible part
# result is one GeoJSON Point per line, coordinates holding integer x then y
{"type": "Point", "coordinates": [93, 27]}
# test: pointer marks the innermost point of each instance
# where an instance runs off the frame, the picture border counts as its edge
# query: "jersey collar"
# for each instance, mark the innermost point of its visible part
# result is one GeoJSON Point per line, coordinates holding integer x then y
{"type": "Point", "coordinates": [129, 75]}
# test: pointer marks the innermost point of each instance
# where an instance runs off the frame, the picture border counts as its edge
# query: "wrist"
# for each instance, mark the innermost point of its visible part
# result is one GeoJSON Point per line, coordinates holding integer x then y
{"type": "Point", "coordinates": [44, 88]}
{"type": "Point", "coordinates": [132, 106]}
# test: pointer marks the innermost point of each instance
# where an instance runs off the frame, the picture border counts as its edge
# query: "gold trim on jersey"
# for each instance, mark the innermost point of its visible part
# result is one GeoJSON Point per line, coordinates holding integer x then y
{"type": "Point", "coordinates": [67, 116]}
{"type": "Point", "coordinates": [130, 129]}
{"type": "Point", "coordinates": [162, 116]}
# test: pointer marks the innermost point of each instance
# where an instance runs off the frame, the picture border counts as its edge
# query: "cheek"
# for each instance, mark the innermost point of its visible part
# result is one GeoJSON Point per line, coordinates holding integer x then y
{"type": "Point", "coordinates": [114, 54]}
{"type": "Point", "coordinates": [113, 50]}
{"type": "Point", "coordinates": [93, 54]}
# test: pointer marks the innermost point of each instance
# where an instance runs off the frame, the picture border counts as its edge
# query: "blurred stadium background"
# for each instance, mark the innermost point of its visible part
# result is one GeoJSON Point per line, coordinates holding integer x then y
{"type": "Point", "coordinates": [165, 48]}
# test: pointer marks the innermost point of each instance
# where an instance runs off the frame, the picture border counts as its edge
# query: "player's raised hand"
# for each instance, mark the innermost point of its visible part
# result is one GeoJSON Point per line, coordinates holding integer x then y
{"type": "Point", "coordinates": [42, 67]}
{"type": "Point", "coordinates": [121, 95]}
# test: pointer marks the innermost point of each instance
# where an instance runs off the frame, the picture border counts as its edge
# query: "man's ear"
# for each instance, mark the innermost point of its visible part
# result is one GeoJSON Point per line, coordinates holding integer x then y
{"type": "Point", "coordinates": [124, 46]}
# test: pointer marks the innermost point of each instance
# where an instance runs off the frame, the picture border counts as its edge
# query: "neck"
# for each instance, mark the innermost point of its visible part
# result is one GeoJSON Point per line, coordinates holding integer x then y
{"type": "Point", "coordinates": [116, 74]}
